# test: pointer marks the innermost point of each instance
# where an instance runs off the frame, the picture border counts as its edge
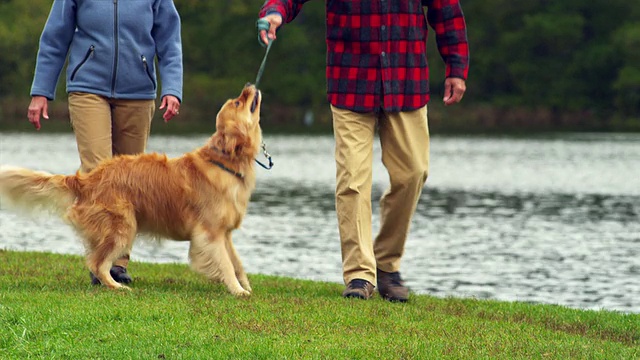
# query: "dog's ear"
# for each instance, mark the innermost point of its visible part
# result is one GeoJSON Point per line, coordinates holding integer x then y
{"type": "Point", "coordinates": [234, 139]}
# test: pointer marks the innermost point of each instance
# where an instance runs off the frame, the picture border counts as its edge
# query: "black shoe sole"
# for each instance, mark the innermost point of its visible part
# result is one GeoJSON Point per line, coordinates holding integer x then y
{"type": "Point", "coordinates": [397, 300]}
{"type": "Point", "coordinates": [393, 299]}
{"type": "Point", "coordinates": [354, 296]}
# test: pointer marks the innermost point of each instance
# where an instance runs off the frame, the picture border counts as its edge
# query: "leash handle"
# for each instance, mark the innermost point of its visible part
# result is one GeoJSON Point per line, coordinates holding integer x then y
{"type": "Point", "coordinates": [263, 24]}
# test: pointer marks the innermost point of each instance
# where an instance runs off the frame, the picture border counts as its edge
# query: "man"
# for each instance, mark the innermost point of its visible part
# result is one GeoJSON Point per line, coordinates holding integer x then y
{"type": "Point", "coordinates": [377, 76]}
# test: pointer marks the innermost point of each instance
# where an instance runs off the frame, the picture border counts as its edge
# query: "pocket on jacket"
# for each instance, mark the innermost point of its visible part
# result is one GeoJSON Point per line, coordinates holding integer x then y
{"type": "Point", "coordinates": [147, 70]}
{"type": "Point", "coordinates": [88, 55]}
{"type": "Point", "coordinates": [135, 76]}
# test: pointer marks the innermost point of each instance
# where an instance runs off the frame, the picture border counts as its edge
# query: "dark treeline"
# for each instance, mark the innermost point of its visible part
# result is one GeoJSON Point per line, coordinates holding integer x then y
{"type": "Point", "coordinates": [535, 65]}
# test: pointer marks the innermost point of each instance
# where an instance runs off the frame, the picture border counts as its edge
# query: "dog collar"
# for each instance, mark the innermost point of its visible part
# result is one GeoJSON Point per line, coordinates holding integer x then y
{"type": "Point", "coordinates": [221, 166]}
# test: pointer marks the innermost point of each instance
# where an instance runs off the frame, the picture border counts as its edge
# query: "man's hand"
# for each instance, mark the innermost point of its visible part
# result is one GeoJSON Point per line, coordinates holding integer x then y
{"type": "Point", "coordinates": [274, 20]}
{"type": "Point", "coordinates": [38, 107]}
{"type": "Point", "coordinates": [172, 104]}
{"type": "Point", "coordinates": [454, 89]}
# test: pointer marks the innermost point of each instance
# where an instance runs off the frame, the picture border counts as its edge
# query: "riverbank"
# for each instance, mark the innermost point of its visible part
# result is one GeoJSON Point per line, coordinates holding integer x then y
{"type": "Point", "coordinates": [49, 310]}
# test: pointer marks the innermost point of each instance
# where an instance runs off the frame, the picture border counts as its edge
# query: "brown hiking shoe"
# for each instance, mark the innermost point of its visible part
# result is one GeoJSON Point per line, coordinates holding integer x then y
{"type": "Point", "coordinates": [358, 288]}
{"type": "Point", "coordinates": [391, 287]}
{"type": "Point", "coordinates": [118, 273]}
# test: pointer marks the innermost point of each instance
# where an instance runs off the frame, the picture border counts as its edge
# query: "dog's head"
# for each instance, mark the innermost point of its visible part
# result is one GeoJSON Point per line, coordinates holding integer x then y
{"type": "Point", "coordinates": [238, 130]}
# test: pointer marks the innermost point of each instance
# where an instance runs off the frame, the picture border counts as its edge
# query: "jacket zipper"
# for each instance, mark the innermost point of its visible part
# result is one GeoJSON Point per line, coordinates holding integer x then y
{"type": "Point", "coordinates": [84, 60]}
{"type": "Point", "coordinates": [115, 54]}
{"type": "Point", "coordinates": [146, 69]}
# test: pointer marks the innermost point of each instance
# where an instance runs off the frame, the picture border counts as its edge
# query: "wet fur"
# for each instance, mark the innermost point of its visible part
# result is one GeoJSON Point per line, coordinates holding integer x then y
{"type": "Point", "coordinates": [187, 198]}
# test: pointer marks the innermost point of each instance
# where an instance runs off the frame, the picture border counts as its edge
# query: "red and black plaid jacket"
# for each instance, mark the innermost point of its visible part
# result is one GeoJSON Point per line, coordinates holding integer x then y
{"type": "Point", "coordinates": [376, 49]}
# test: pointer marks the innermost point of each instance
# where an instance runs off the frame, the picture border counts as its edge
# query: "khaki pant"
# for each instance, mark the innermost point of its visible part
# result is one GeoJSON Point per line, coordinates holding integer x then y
{"type": "Point", "coordinates": [108, 127]}
{"type": "Point", "coordinates": [404, 139]}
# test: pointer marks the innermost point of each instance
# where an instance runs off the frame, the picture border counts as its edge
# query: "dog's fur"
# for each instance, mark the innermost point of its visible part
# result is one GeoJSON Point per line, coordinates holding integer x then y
{"type": "Point", "coordinates": [199, 197]}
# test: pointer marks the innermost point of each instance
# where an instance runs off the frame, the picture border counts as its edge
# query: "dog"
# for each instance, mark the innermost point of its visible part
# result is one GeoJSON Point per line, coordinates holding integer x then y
{"type": "Point", "coordinates": [200, 197]}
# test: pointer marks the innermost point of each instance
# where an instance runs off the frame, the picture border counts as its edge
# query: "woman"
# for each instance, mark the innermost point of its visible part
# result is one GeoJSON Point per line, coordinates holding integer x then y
{"type": "Point", "coordinates": [111, 76]}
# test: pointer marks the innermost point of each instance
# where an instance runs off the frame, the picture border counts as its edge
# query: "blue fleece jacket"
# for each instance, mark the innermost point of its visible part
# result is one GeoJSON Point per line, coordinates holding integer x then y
{"type": "Point", "coordinates": [111, 45]}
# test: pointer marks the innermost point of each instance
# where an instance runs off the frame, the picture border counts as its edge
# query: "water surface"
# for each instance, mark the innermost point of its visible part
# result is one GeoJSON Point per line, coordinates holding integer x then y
{"type": "Point", "coordinates": [546, 220]}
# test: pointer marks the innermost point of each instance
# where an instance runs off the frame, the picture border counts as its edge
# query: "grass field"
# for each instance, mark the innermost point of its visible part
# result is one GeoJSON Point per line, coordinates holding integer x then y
{"type": "Point", "coordinates": [48, 310]}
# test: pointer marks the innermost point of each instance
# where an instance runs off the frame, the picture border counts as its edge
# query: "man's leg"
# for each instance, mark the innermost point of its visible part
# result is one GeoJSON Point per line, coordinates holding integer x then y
{"type": "Point", "coordinates": [404, 139]}
{"type": "Point", "coordinates": [354, 136]}
{"type": "Point", "coordinates": [130, 131]}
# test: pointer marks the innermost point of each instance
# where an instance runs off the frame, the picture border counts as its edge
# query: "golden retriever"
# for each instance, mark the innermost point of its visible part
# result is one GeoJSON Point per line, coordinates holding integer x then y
{"type": "Point", "coordinates": [201, 197]}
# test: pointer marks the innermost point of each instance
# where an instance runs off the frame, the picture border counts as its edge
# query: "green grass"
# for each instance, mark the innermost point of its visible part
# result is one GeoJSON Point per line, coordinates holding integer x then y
{"type": "Point", "coordinates": [49, 310]}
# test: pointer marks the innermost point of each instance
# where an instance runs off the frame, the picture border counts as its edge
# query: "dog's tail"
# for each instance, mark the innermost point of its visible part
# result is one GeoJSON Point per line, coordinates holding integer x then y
{"type": "Point", "coordinates": [36, 190]}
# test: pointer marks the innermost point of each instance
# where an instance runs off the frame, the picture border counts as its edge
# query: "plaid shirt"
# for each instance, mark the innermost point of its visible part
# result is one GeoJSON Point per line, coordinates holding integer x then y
{"type": "Point", "coordinates": [376, 49]}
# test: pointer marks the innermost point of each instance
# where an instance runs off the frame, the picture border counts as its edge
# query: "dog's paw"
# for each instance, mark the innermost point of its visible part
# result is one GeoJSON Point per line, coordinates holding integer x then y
{"type": "Point", "coordinates": [245, 285]}
{"type": "Point", "coordinates": [120, 288]}
{"type": "Point", "coordinates": [243, 293]}
{"type": "Point", "coordinates": [116, 286]}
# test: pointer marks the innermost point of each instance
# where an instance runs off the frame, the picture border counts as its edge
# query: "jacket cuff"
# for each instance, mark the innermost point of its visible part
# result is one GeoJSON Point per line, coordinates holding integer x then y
{"type": "Point", "coordinates": [457, 71]}
{"type": "Point", "coordinates": [39, 92]}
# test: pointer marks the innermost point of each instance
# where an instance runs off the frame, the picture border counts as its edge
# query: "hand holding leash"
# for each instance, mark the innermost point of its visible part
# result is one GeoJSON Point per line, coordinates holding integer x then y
{"type": "Point", "coordinates": [266, 34]}
{"type": "Point", "coordinates": [263, 25]}
{"type": "Point", "coordinates": [267, 27]}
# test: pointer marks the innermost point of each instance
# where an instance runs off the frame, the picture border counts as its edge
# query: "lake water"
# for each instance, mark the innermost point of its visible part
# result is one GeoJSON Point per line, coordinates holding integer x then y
{"type": "Point", "coordinates": [551, 220]}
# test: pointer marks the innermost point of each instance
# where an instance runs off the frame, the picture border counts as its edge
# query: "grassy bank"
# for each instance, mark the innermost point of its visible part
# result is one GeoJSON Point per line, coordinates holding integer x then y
{"type": "Point", "coordinates": [49, 310]}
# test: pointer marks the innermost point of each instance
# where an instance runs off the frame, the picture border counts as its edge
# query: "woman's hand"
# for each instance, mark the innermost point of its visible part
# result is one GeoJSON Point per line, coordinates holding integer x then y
{"type": "Point", "coordinates": [39, 107]}
{"type": "Point", "coordinates": [172, 104]}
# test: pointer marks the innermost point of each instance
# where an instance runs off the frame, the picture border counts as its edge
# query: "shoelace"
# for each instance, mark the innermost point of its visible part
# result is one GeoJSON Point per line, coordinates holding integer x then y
{"type": "Point", "coordinates": [359, 284]}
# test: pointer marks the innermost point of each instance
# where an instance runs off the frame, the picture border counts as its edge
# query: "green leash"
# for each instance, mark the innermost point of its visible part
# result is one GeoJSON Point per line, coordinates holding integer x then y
{"type": "Point", "coordinates": [262, 24]}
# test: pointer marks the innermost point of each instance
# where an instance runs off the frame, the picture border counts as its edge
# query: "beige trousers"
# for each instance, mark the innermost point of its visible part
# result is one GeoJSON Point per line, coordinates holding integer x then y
{"type": "Point", "coordinates": [404, 139]}
{"type": "Point", "coordinates": [107, 127]}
